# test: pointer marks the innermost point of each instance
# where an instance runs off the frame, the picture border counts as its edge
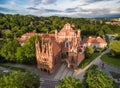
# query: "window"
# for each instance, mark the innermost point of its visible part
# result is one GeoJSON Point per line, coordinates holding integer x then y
{"type": "Point", "coordinates": [67, 44]}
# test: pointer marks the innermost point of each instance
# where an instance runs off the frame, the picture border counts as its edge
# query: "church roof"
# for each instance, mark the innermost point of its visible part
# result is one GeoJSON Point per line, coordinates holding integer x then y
{"type": "Point", "coordinates": [22, 40]}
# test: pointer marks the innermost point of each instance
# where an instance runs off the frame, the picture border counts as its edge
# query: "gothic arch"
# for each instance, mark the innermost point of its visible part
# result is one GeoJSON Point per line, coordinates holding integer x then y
{"type": "Point", "coordinates": [67, 44]}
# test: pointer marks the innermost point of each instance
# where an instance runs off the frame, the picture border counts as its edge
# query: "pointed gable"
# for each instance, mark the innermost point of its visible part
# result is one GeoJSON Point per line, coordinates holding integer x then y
{"type": "Point", "coordinates": [67, 30]}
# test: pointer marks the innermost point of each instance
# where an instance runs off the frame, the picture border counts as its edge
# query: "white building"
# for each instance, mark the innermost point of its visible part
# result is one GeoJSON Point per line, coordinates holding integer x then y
{"type": "Point", "coordinates": [94, 42]}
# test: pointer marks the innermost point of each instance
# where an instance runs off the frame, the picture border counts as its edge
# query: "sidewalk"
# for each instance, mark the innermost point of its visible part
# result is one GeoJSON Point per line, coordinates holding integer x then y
{"type": "Point", "coordinates": [79, 74]}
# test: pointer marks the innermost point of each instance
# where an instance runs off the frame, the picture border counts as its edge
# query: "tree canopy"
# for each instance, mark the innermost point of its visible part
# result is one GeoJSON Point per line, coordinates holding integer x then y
{"type": "Point", "coordinates": [69, 82]}
{"type": "Point", "coordinates": [89, 51]}
{"type": "Point", "coordinates": [26, 53]}
{"type": "Point", "coordinates": [12, 51]}
{"type": "Point", "coordinates": [19, 80]}
{"type": "Point", "coordinates": [97, 79]}
{"type": "Point", "coordinates": [9, 49]}
{"type": "Point", "coordinates": [115, 48]}
{"type": "Point", "coordinates": [19, 24]}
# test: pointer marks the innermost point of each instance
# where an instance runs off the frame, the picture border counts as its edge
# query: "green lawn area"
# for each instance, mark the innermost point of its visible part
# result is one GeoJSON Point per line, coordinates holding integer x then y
{"type": "Point", "coordinates": [13, 68]}
{"type": "Point", "coordinates": [86, 61]}
{"type": "Point", "coordinates": [111, 60]}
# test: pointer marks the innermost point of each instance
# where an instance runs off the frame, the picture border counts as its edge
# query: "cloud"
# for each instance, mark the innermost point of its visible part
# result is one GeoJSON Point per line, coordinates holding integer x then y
{"type": "Point", "coordinates": [69, 10]}
{"type": "Point", "coordinates": [48, 1]}
{"type": "Point", "coordinates": [2, 9]}
{"type": "Point", "coordinates": [32, 8]}
{"type": "Point", "coordinates": [37, 2]}
{"type": "Point", "coordinates": [52, 10]}
{"type": "Point", "coordinates": [118, 2]}
{"type": "Point", "coordinates": [93, 1]}
{"type": "Point", "coordinates": [76, 9]}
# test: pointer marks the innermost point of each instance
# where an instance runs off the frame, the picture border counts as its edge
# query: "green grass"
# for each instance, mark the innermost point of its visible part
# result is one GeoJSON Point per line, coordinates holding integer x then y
{"type": "Point", "coordinates": [86, 61]}
{"type": "Point", "coordinates": [13, 68]}
{"type": "Point", "coordinates": [111, 60]}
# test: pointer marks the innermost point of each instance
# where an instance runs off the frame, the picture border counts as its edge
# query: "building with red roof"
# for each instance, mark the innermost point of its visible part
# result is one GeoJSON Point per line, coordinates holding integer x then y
{"type": "Point", "coordinates": [64, 45]}
{"type": "Point", "coordinates": [94, 42]}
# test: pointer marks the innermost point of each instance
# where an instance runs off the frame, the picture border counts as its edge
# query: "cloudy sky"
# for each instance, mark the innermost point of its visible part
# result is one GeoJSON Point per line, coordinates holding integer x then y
{"type": "Point", "coordinates": [70, 8]}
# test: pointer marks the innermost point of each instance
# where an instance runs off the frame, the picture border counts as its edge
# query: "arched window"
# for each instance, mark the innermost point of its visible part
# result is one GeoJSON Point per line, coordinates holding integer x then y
{"type": "Point", "coordinates": [67, 44]}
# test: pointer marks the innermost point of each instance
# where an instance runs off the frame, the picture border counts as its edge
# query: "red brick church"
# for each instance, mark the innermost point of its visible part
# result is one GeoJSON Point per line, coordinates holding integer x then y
{"type": "Point", "coordinates": [63, 46]}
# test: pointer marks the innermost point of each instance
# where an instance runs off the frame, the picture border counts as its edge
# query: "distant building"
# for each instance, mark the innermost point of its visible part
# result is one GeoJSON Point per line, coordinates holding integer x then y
{"type": "Point", "coordinates": [114, 22]}
{"type": "Point", "coordinates": [63, 46]}
{"type": "Point", "coordinates": [94, 42]}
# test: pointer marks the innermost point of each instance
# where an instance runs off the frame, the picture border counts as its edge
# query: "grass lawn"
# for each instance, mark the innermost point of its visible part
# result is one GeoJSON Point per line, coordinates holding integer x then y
{"type": "Point", "coordinates": [13, 68]}
{"type": "Point", "coordinates": [111, 60]}
{"type": "Point", "coordinates": [86, 61]}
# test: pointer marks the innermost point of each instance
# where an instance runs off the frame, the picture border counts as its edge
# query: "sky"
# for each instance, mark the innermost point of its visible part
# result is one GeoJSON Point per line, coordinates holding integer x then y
{"type": "Point", "coordinates": [66, 8]}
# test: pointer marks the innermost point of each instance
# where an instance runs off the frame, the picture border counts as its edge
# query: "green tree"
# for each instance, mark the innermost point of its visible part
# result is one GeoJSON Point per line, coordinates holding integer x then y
{"type": "Point", "coordinates": [117, 38]}
{"type": "Point", "coordinates": [89, 51]}
{"type": "Point", "coordinates": [100, 32]}
{"type": "Point", "coordinates": [97, 79]}
{"type": "Point", "coordinates": [19, 80]}
{"type": "Point", "coordinates": [69, 82]}
{"type": "Point", "coordinates": [20, 55]}
{"type": "Point", "coordinates": [106, 29]}
{"type": "Point", "coordinates": [115, 48]}
{"type": "Point", "coordinates": [9, 49]}
{"type": "Point", "coordinates": [26, 53]}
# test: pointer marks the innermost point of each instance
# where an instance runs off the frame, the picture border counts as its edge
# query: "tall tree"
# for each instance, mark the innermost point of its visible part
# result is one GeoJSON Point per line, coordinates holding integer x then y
{"type": "Point", "coordinates": [106, 29]}
{"type": "Point", "coordinates": [9, 49]}
{"type": "Point", "coordinates": [26, 53]}
{"type": "Point", "coordinates": [69, 82]}
{"type": "Point", "coordinates": [19, 80]}
{"type": "Point", "coordinates": [89, 51]}
{"type": "Point", "coordinates": [115, 48]}
{"type": "Point", "coordinates": [97, 79]}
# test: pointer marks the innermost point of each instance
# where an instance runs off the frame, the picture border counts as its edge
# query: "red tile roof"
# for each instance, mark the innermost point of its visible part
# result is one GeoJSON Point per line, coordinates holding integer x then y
{"type": "Point", "coordinates": [29, 34]}
{"type": "Point", "coordinates": [56, 48]}
{"type": "Point", "coordinates": [22, 40]}
{"type": "Point", "coordinates": [93, 40]}
{"type": "Point", "coordinates": [45, 36]}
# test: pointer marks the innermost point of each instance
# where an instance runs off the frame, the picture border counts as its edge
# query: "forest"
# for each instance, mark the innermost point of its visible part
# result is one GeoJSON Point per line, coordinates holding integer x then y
{"type": "Point", "coordinates": [12, 26]}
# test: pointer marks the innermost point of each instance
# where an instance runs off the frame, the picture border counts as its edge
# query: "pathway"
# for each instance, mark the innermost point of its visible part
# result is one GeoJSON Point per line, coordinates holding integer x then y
{"type": "Point", "coordinates": [79, 74]}
{"type": "Point", "coordinates": [48, 83]}
{"type": "Point", "coordinates": [63, 72]}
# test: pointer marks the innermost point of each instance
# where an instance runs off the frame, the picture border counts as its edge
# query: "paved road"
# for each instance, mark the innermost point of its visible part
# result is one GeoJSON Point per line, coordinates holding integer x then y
{"type": "Point", "coordinates": [79, 74]}
{"type": "Point", "coordinates": [48, 83]}
{"type": "Point", "coordinates": [107, 68]}
{"type": "Point", "coordinates": [63, 72]}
